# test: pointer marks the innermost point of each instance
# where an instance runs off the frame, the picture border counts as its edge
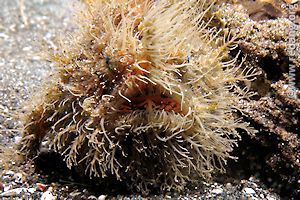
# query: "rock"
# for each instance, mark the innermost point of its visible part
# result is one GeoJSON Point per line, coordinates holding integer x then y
{"type": "Point", "coordinates": [17, 139]}
{"type": "Point", "coordinates": [228, 185]}
{"type": "Point", "coordinates": [102, 197]}
{"type": "Point", "coordinates": [92, 197]}
{"type": "Point", "coordinates": [274, 112]}
{"type": "Point", "coordinates": [271, 197]}
{"type": "Point", "coordinates": [31, 190]}
{"type": "Point", "coordinates": [249, 191]}
{"type": "Point", "coordinates": [217, 191]}
{"type": "Point", "coordinates": [76, 194]}
{"type": "Point", "coordinates": [8, 175]}
{"type": "Point", "coordinates": [13, 192]}
{"type": "Point", "coordinates": [18, 177]}
{"type": "Point", "coordinates": [48, 196]}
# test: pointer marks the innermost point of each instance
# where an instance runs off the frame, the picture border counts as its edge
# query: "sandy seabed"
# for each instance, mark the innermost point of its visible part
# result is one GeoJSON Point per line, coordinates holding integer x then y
{"type": "Point", "coordinates": [27, 28]}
